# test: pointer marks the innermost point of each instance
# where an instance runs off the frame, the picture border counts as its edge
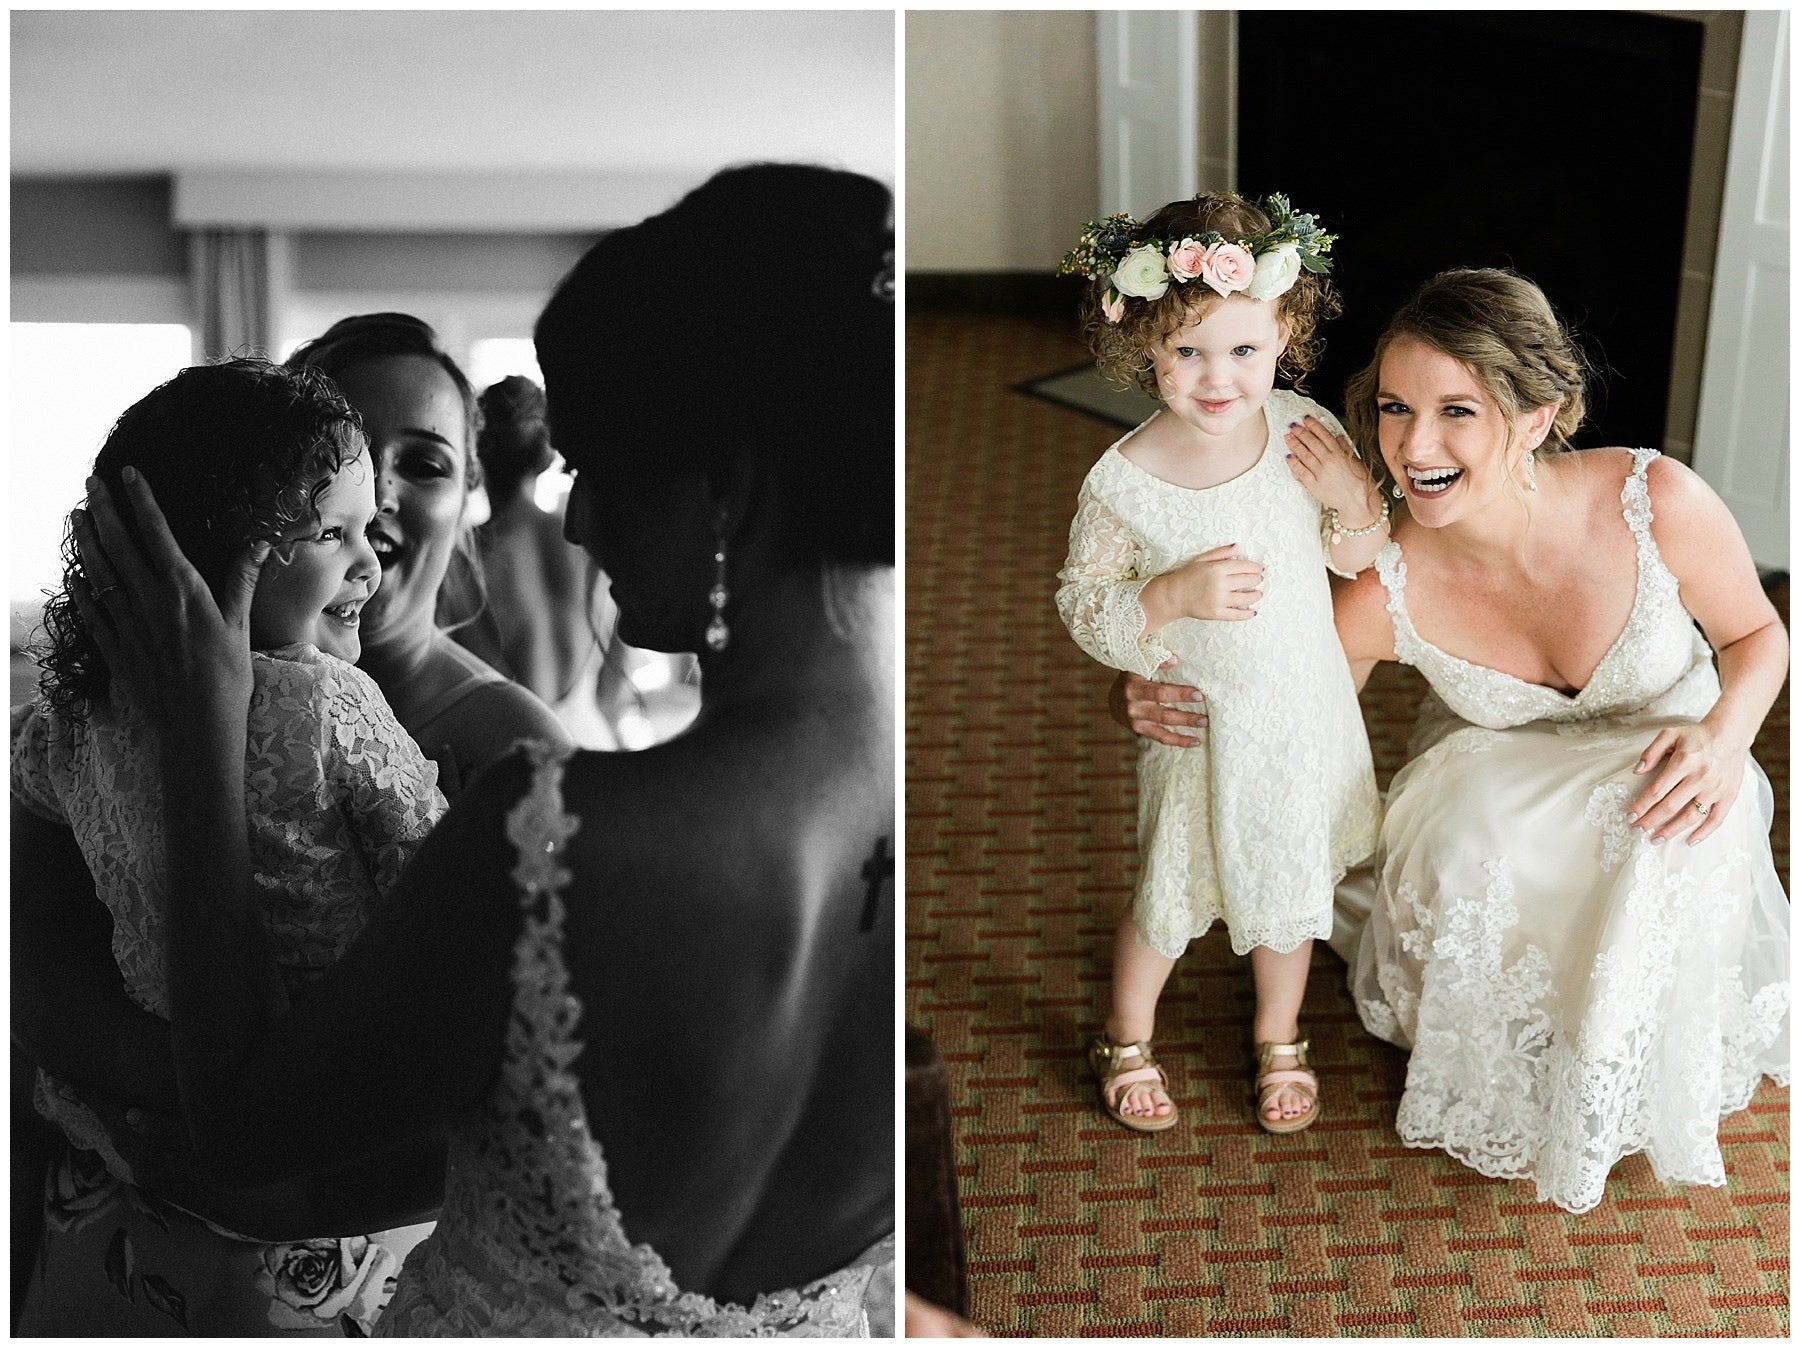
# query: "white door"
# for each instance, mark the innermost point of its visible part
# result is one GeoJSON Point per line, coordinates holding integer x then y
{"type": "Point", "coordinates": [1149, 108]}
{"type": "Point", "coordinates": [1741, 440]}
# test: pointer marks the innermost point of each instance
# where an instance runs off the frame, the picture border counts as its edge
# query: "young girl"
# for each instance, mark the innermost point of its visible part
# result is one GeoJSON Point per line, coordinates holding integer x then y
{"type": "Point", "coordinates": [338, 795]}
{"type": "Point", "coordinates": [1202, 305]}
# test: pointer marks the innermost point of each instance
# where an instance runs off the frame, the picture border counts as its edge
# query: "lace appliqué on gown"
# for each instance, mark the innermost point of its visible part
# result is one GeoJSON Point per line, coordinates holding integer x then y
{"type": "Point", "coordinates": [529, 1241]}
{"type": "Point", "coordinates": [1570, 992]}
{"type": "Point", "coordinates": [1256, 824]}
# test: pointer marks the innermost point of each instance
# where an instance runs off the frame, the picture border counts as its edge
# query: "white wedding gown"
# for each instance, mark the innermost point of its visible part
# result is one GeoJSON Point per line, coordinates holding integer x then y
{"type": "Point", "coordinates": [530, 1242]}
{"type": "Point", "coordinates": [1571, 993]}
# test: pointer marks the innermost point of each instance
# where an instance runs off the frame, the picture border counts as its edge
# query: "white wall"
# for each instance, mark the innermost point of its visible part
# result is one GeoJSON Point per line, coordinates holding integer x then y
{"type": "Point", "coordinates": [1001, 150]}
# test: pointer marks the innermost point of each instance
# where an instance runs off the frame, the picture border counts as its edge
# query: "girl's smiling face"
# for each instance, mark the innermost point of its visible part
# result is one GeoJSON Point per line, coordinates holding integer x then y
{"type": "Point", "coordinates": [1215, 375]}
{"type": "Point", "coordinates": [1448, 444]}
{"type": "Point", "coordinates": [314, 584]}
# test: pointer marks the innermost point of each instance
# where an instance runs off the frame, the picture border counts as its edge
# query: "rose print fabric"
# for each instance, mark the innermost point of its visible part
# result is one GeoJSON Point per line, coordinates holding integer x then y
{"type": "Point", "coordinates": [116, 1261]}
{"type": "Point", "coordinates": [1255, 825]}
{"type": "Point", "coordinates": [1570, 992]}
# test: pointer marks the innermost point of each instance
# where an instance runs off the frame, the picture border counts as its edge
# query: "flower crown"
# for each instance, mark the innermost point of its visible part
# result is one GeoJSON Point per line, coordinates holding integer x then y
{"type": "Point", "coordinates": [1262, 266]}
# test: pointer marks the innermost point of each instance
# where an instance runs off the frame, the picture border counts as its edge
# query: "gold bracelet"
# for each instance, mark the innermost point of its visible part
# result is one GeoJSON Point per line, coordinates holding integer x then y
{"type": "Point", "coordinates": [1339, 533]}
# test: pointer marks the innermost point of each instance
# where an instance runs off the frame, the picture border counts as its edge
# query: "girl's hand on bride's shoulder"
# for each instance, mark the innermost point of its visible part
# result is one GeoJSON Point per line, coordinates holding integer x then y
{"type": "Point", "coordinates": [1694, 781]}
{"type": "Point", "coordinates": [1169, 713]}
{"type": "Point", "coordinates": [182, 652]}
{"type": "Point", "coordinates": [1327, 465]}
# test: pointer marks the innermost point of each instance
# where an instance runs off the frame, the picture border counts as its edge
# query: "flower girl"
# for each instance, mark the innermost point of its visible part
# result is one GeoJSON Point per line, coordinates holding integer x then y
{"type": "Point", "coordinates": [338, 795]}
{"type": "Point", "coordinates": [1198, 554]}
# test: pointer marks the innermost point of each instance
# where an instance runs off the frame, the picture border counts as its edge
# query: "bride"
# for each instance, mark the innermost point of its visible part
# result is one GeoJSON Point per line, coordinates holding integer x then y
{"type": "Point", "coordinates": [650, 994]}
{"type": "Point", "coordinates": [1577, 928]}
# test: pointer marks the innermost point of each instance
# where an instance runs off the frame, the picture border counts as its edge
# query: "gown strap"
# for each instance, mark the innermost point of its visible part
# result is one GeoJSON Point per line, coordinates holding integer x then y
{"type": "Point", "coordinates": [1635, 497]}
{"type": "Point", "coordinates": [1657, 586]}
{"type": "Point", "coordinates": [1390, 566]}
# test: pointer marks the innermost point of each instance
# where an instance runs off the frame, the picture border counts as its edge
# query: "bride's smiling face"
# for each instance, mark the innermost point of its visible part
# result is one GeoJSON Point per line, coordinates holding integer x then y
{"type": "Point", "coordinates": [1447, 442]}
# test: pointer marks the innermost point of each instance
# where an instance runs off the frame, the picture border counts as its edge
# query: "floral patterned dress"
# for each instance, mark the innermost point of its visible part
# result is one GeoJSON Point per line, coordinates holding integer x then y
{"type": "Point", "coordinates": [338, 797]}
{"type": "Point", "coordinates": [1571, 992]}
{"type": "Point", "coordinates": [1257, 823]}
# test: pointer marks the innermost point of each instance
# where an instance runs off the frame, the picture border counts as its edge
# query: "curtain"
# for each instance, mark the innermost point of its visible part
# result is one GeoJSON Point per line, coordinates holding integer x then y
{"type": "Point", "coordinates": [230, 268]}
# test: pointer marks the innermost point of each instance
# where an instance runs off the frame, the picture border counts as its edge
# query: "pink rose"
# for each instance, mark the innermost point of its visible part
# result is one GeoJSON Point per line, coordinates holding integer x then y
{"type": "Point", "coordinates": [1185, 259]}
{"type": "Point", "coordinates": [1112, 304]}
{"type": "Point", "coordinates": [314, 1282]}
{"type": "Point", "coordinates": [1227, 267]}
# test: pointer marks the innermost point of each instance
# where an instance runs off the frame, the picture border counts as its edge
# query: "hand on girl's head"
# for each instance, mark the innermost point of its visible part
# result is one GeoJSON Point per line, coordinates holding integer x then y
{"type": "Point", "coordinates": [156, 622]}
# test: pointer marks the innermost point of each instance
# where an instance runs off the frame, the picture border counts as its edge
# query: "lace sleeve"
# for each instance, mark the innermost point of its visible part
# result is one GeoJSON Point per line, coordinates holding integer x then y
{"type": "Point", "coordinates": [31, 784]}
{"type": "Point", "coordinates": [1101, 581]}
{"type": "Point", "coordinates": [387, 786]}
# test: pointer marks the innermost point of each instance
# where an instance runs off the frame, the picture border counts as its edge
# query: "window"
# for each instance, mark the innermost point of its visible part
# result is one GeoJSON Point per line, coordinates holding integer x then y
{"type": "Point", "coordinates": [70, 382]}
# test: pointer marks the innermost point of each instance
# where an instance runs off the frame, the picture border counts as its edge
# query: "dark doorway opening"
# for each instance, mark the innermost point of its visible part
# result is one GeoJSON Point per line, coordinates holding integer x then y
{"type": "Point", "coordinates": [1557, 144]}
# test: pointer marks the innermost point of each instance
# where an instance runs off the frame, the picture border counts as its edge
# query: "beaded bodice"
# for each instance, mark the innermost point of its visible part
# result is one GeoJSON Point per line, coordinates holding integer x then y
{"type": "Point", "coordinates": [1659, 664]}
{"type": "Point", "coordinates": [529, 1241]}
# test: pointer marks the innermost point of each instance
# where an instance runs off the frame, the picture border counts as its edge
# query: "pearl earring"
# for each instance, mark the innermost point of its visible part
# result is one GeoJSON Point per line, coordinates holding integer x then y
{"type": "Point", "coordinates": [1399, 492]}
{"type": "Point", "coordinates": [1531, 471]}
{"type": "Point", "coordinates": [718, 635]}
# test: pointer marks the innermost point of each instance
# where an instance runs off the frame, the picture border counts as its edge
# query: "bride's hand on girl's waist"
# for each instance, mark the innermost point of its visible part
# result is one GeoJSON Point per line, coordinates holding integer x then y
{"type": "Point", "coordinates": [1169, 713]}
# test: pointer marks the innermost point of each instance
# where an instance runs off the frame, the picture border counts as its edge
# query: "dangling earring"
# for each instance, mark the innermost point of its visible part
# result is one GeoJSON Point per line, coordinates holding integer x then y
{"type": "Point", "coordinates": [1399, 492]}
{"type": "Point", "coordinates": [1531, 471]}
{"type": "Point", "coordinates": [718, 635]}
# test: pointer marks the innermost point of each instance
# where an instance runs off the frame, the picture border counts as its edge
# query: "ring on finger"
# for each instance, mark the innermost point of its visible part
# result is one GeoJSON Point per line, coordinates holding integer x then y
{"type": "Point", "coordinates": [1702, 809]}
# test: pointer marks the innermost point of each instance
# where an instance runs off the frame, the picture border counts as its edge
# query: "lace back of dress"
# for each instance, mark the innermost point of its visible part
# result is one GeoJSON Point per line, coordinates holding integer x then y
{"type": "Point", "coordinates": [530, 1240]}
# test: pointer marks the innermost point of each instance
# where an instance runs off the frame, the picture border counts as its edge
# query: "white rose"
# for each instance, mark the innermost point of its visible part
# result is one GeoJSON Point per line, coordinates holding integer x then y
{"type": "Point", "coordinates": [1276, 272]}
{"type": "Point", "coordinates": [1143, 274]}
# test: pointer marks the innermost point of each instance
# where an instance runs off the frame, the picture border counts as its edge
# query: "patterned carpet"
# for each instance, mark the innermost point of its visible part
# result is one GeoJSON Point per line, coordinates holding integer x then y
{"type": "Point", "coordinates": [1020, 831]}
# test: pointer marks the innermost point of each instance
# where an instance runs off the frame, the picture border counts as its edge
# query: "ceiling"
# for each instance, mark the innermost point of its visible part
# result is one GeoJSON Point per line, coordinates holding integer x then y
{"type": "Point", "coordinates": [135, 91]}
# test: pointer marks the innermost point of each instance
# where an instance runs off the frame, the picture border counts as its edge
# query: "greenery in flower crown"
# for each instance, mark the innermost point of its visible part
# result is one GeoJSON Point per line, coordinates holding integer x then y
{"type": "Point", "coordinates": [1104, 243]}
{"type": "Point", "coordinates": [1261, 266]}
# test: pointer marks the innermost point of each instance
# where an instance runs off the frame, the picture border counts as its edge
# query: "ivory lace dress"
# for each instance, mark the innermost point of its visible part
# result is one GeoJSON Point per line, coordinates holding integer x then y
{"type": "Point", "coordinates": [338, 797]}
{"type": "Point", "coordinates": [529, 1241]}
{"type": "Point", "coordinates": [1256, 824]}
{"type": "Point", "coordinates": [1570, 992]}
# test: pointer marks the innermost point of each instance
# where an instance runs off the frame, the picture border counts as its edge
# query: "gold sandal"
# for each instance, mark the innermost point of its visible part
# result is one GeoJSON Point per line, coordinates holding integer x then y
{"type": "Point", "coordinates": [1106, 1058]}
{"type": "Point", "coordinates": [1299, 1078]}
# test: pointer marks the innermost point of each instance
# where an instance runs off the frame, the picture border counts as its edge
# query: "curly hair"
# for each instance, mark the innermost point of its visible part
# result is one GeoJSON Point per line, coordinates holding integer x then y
{"type": "Point", "coordinates": [235, 451]}
{"type": "Point", "coordinates": [1122, 350]}
{"type": "Point", "coordinates": [1502, 327]}
{"type": "Point", "coordinates": [808, 287]}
